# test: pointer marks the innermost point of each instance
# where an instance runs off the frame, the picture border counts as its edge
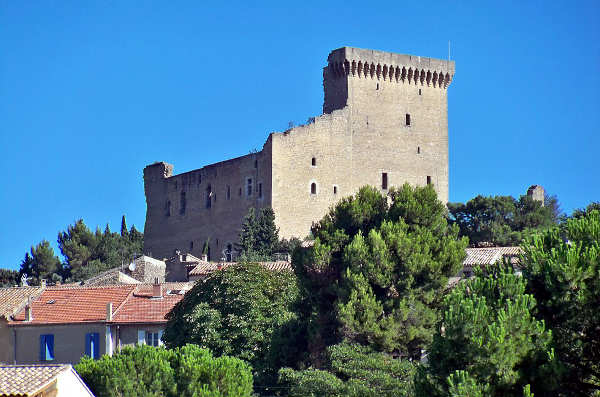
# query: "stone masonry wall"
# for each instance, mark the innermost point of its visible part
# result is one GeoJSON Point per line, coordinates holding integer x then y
{"type": "Point", "coordinates": [362, 134]}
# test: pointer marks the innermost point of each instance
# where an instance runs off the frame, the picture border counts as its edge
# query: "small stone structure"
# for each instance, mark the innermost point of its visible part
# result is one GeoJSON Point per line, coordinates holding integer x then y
{"type": "Point", "coordinates": [384, 123]}
{"type": "Point", "coordinates": [537, 193]}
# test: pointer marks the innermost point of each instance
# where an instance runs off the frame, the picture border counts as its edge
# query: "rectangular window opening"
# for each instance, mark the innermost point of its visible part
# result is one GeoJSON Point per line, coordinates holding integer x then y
{"type": "Point", "coordinates": [419, 91]}
{"type": "Point", "coordinates": [335, 190]}
{"type": "Point", "coordinates": [92, 345]}
{"type": "Point", "coordinates": [47, 347]}
{"type": "Point", "coordinates": [152, 338]}
{"type": "Point", "coordinates": [249, 187]}
{"type": "Point", "coordinates": [384, 180]}
{"type": "Point", "coordinates": [260, 190]}
{"type": "Point", "coordinates": [228, 195]}
{"type": "Point", "coordinates": [418, 149]}
{"type": "Point", "coordinates": [428, 180]}
{"type": "Point", "coordinates": [407, 119]}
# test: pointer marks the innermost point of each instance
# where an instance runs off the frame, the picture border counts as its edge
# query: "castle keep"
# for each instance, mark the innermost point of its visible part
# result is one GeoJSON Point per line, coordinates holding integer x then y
{"type": "Point", "coordinates": [384, 123]}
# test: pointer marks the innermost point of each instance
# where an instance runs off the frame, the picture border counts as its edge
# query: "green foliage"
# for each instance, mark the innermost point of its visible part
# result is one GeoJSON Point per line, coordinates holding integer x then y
{"type": "Point", "coordinates": [88, 254]}
{"type": "Point", "coordinates": [40, 263]}
{"type": "Point", "coordinates": [259, 237]}
{"type": "Point", "coordinates": [376, 271]}
{"type": "Point", "coordinates": [580, 213]}
{"type": "Point", "coordinates": [489, 342]}
{"type": "Point", "coordinates": [147, 371]}
{"type": "Point", "coordinates": [244, 311]}
{"type": "Point", "coordinates": [9, 278]}
{"type": "Point", "coordinates": [352, 370]}
{"type": "Point", "coordinates": [562, 270]}
{"type": "Point", "coordinates": [503, 220]}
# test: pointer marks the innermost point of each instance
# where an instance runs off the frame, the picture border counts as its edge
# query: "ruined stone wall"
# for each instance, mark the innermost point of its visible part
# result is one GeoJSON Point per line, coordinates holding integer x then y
{"type": "Point", "coordinates": [216, 199]}
{"type": "Point", "coordinates": [363, 134]}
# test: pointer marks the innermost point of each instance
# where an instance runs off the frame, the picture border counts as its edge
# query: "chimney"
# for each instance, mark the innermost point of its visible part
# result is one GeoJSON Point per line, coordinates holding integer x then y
{"type": "Point", "coordinates": [204, 257]}
{"type": "Point", "coordinates": [156, 289]}
{"type": "Point", "coordinates": [109, 311]}
{"type": "Point", "coordinates": [43, 283]}
{"type": "Point", "coordinates": [28, 313]}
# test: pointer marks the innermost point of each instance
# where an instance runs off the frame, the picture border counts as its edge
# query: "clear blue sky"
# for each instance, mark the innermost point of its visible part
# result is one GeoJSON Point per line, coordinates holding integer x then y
{"type": "Point", "coordinates": [91, 92]}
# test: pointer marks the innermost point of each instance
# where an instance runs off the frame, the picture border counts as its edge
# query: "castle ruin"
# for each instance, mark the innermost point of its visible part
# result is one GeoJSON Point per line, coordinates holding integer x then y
{"type": "Point", "coordinates": [384, 123]}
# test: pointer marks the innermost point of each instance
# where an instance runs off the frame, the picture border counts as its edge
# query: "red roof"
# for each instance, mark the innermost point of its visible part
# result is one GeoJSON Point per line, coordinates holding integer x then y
{"type": "Point", "coordinates": [141, 307]}
{"type": "Point", "coordinates": [58, 305]}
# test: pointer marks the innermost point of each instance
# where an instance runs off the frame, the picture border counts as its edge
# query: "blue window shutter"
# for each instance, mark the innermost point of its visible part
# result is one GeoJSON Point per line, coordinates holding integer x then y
{"type": "Point", "coordinates": [88, 342]}
{"type": "Point", "coordinates": [96, 338]}
{"type": "Point", "coordinates": [42, 347]}
{"type": "Point", "coordinates": [50, 346]}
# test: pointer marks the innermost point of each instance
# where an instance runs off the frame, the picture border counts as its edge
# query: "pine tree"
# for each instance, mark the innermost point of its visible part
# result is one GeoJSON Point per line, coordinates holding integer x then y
{"type": "Point", "coordinates": [41, 263]}
{"type": "Point", "coordinates": [489, 342]}
{"type": "Point", "coordinates": [124, 232]}
{"type": "Point", "coordinates": [376, 271]}
{"type": "Point", "coordinates": [562, 270]}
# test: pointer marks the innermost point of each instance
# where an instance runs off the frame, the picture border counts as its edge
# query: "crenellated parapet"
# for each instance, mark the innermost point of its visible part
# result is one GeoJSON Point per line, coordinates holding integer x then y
{"type": "Point", "coordinates": [387, 66]}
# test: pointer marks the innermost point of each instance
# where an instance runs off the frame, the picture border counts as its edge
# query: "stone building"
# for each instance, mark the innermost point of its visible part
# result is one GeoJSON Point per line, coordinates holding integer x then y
{"type": "Point", "coordinates": [384, 123]}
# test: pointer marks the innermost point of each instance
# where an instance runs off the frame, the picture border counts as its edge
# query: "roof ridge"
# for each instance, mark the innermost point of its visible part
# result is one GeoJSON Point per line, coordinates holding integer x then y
{"type": "Point", "coordinates": [129, 295]}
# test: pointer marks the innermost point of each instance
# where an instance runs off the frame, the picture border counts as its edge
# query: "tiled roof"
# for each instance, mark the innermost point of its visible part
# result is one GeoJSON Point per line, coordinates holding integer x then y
{"type": "Point", "coordinates": [205, 268]}
{"type": "Point", "coordinates": [489, 256]}
{"type": "Point", "coordinates": [60, 305]}
{"type": "Point", "coordinates": [28, 380]}
{"type": "Point", "coordinates": [142, 307]}
{"type": "Point", "coordinates": [14, 299]}
{"type": "Point", "coordinates": [111, 277]}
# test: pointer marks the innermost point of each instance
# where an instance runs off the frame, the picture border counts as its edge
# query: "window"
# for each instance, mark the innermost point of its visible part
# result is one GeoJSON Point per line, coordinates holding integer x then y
{"type": "Point", "coordinates": [418, 149]}
{"type": "Point", "coordinates": [249, 187]}
{"type": "Point", "coordinates": [168, 208]}
{"type": "Point", "coordinates": [377, 86]}
{"type": "Point", "coordinates": [182, 204]}
{"type": "Point", "coordinates": [334, 189]}
{"type": "Point", "coordinates": [384, 180]}
{"type": "Point", "coordinates": [419, 91]}
{"type": "Point", "coordinates": [47, 347]}
{"type": "Point", "coordinates": [260, 190]}
{"type": "Point", "coordinates": [191, 245]}
{"type": "Point", "coordinates": [150, 338]}
{"type": "Point", "coordinates": [313, 188]}
{"type": "Point", "coordinates": [208, 196]}
{"type": "Point", "coordinates": [428, 180]}
{"type": "Point", "coordinates": [255, 163]}
{"type": "Point", "coordinates": [92, 345]}
{"type": "Point", "coordinates": [407, 119]}
{"type": "Point", "coordinates": [228, 195]}
{"type": "Point", "coordinates": [313, 162]}
{"type": "Point", "coordinates": [240, 192]}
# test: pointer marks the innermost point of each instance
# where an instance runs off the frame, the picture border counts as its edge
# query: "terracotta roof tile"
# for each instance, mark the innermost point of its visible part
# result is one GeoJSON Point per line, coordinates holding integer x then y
{"type": "Point", "coordinates": [142, 307]}
{"type": "Point", "coordinates": [14, 299]}
{"type": "Point", "coordinates": [489, 256]}
{"type": "Point", "coordinates": [111, 277]}
{"type": "Point", "coordinates": [205, 268]}
{"type": "Point", "coordinates": [71, 304]}
{"type": "Point", "coordinates": [27, 380]}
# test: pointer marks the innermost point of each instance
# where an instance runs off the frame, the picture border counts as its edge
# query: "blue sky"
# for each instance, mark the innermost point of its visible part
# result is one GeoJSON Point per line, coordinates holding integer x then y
{"type": "Point", "coordinates": [91, 92]}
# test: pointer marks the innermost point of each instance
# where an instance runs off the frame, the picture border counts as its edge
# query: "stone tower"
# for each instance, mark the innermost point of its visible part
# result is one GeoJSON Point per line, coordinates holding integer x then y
{"type": "Point", "coordinates": [384, 123]}
{"type": "Point", "coordinates": [537, 193]}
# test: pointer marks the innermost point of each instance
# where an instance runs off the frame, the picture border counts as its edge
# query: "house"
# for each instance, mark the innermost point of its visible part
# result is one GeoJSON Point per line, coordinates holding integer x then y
{"type": "Point", "coordinates": [12, 300]}
{"type": "Point", "coordinates": [64, 323]}
{"type": "Point", "coordinates": [52, 380]}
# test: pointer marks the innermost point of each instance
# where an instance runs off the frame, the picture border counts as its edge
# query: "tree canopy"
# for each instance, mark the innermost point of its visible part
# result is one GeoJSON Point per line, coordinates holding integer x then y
{"type": "Point", "coordinates": [503, 220]}
{"type": "Point", "coordinates": [146, 371]}
{"type": "Point", "coordinates": [86, 253]}
{"type": "Point", "coordinates": [376, 270]}
{"type": "Point", "coordinates": [489, 342]}
{"type": "Point", "coordinates": [562, 270]}
{"type": "Point", "coordinates": [240, 311]}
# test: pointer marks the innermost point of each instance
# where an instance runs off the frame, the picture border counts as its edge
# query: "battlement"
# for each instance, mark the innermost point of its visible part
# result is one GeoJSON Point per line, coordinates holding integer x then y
{"type": "Point", "coordinates": [381, 65]}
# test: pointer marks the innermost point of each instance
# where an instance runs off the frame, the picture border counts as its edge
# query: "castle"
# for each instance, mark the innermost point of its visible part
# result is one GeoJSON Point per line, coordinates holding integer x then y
{"type": "Point", "coordinates": [384, 123]}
